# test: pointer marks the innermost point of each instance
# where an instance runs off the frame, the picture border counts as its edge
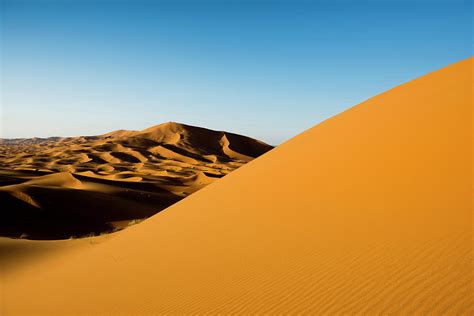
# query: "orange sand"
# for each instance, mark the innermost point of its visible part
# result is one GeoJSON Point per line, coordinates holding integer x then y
{"type": "Point", "coordinates": [368, 213]}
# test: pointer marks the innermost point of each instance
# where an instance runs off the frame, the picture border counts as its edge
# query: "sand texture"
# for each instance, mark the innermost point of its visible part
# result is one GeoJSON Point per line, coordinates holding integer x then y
{"type": "Point", "coordinates": [57, 188]}
{"type": "Point", "coordinates": [367, 213]}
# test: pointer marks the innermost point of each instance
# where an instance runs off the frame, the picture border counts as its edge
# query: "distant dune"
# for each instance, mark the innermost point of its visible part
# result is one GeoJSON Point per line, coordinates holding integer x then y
{"type": "Point", "coordinates": [368, 213]}
{"type": "Point", "coordinates": [56, 188]}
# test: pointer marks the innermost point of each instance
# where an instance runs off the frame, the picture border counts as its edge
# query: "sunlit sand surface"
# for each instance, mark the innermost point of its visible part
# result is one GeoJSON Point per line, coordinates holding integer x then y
{"type": "Point", "coordinates": [367, 213]}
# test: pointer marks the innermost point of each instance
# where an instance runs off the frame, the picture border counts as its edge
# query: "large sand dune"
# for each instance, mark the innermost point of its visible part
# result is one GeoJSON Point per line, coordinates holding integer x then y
{"type": "Point", "coordinates": [368, 213]}
{"type": "Point", "coordinates": [56, 188]}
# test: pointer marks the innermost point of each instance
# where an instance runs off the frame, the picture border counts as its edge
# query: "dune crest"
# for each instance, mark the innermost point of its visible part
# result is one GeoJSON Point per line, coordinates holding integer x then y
{"type": "Point", "coordinates": [376, 221]}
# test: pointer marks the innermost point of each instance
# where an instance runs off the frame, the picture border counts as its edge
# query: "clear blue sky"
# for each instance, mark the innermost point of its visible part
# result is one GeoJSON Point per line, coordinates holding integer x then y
{"type": "Point", "coordinates": [267, 69]}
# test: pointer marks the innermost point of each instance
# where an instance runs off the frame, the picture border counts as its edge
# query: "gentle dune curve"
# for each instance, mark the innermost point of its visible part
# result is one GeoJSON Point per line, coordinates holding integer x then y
{"type": "Point", "coordinates": [377, 220]}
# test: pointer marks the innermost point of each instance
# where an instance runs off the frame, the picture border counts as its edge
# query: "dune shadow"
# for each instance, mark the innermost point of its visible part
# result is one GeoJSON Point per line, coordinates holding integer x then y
{"type": "Point", "coordinates": [66, 213]}
{"type": "Point", "coordinates": [17, 253]}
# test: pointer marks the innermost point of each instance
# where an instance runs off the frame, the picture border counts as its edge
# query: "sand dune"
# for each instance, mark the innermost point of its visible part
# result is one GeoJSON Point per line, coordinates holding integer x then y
{"type": "Point", "coordinates": [58, 188]}
{"type": "Point", "coordinates": [368, 213]}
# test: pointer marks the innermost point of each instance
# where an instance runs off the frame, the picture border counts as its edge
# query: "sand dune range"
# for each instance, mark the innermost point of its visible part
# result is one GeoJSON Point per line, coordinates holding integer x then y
{"type": "Point", "coordinates": [171, 141]}
{"type": "Point", "coordinates": [58, 188]}
{"type": "Point", "coordinates": [380, 224]}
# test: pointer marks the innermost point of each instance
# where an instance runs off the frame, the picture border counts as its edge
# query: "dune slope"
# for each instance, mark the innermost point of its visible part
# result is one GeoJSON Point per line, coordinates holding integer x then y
{"type": "Point", "coordinates": [369, 212]}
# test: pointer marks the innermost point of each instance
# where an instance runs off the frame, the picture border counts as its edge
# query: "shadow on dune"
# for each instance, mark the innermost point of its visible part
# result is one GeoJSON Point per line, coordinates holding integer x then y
{"type": "Point", "coordinates": [46, 212]}
{"type": "Point", "coordinates": [16, 253]}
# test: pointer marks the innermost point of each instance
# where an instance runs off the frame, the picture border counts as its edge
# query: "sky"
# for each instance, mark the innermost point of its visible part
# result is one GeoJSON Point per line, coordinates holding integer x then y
{"type": "Point", "coordinates": [262, 68]}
